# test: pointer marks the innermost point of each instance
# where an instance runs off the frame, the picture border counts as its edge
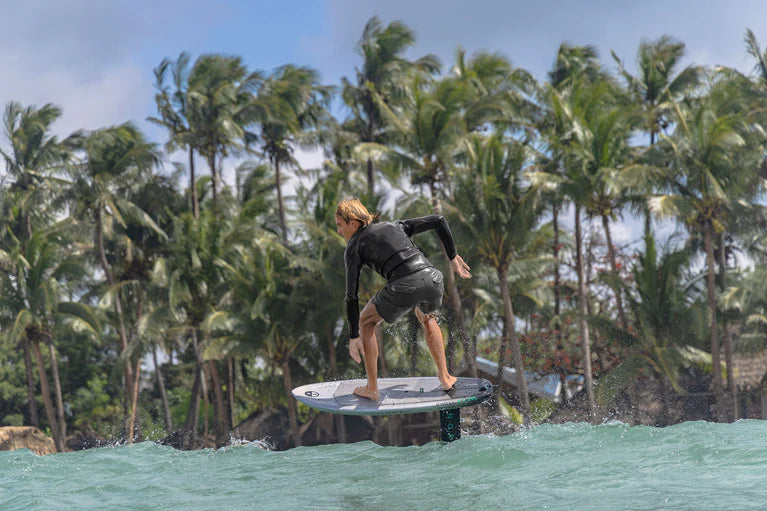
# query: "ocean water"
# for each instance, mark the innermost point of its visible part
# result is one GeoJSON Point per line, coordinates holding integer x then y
{"type": "Point", "coordinates": [695, 466]}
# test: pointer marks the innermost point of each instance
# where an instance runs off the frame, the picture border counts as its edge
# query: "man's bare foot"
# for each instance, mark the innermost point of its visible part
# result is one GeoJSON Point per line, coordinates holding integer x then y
{"type": "Point", "coordinates": [448, 383]}
{"type": "Point", "coordinates": [364, 392]}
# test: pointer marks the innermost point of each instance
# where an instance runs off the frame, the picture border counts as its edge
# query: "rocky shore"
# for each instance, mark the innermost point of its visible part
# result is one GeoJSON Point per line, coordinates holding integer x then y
{"type": "Point", "coordinates": [26, 437]}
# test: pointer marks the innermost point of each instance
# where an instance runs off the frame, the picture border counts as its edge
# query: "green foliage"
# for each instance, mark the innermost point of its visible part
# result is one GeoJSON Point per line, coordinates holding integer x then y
{"type": "Point", "coordinates": [12, 386]}
{"type": "Point", "coordinates": [305, 413]}
{"type": "Point", "coordinates": [541, 409]}
{"type": "Point", "coordinates": [618, 379]}
{"type": "Point", "coordinates": [13, 419]}
{"type": "Point", "coordinates": [178, 401]}
{"type": "Point", "coordinates": [510, 412]}
{"type": "Point", "coordinates": [96, 410]}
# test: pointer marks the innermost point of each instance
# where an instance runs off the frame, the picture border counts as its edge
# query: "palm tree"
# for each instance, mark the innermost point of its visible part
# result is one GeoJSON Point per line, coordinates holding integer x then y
{"type": "Point", "coordinates": [35, 155]}
{"type": "Point", "coordinates": [496, 92]}
{"type": "Point", "coordinates": [500, 211]}
{"type": "Point", "coordinates": [753, 49]}
{"type": "Point", "coordinates": [115, 159]}
{"type": "Point", "coordinates": [32, 291]}
{"type": "Point", "coordinates": [749, 300]}
{"type": "Point", "coordinates": [218, 104]}
{"type": "Point", "coordinates": [669, 318]}
{"type": "Point", "coordinates": [31, 162]}
{"type": "Point", "coordinates": [28, 327]}
{"type": "Point", "coordinates": [265, 308]}
{"type": "Point", "coordinates": [143, 247]}
{"type": "Point", "coordinates": [604, 147]}
{"type": "Point", "coordinates": [382, 79]}
{"type": "Point", "coordinates": [564, 175]}
{"type": "Point", "coordinates": [297, 103]}
{"type": "Point", "coordinates": [173, 108]}
{"type": "Point", "coordinates": [656, 89]}
{"type": "Point", "coordinates": [193, 273]}
{"type": "Point", "coordinates": [598, 127]}
{"type": "Point", "coordinates": [711, 167]}
{"type": "Point", "coordinates": [575, 67]}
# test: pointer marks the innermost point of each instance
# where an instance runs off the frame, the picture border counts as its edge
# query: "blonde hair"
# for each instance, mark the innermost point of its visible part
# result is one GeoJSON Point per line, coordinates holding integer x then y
{"type": "Point", "coordinates": [351, 208]}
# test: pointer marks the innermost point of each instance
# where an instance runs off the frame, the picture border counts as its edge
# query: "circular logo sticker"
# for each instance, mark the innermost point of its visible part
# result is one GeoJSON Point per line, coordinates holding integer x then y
{"type": "Point", "coordinates": [312, 393]}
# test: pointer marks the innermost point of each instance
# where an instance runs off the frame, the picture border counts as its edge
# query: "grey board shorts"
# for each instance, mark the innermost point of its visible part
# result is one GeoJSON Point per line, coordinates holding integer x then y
{"type": "Point", "coordinates": [423, 288]}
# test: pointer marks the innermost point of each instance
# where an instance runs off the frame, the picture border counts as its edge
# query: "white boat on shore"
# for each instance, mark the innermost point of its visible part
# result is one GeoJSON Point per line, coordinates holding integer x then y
{"type": "Point", "coordinates": [546, 386]}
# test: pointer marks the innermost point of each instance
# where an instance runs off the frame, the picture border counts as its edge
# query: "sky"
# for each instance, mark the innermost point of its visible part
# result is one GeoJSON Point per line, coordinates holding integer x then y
{"type": "Point", "coordinates": [94, 58]}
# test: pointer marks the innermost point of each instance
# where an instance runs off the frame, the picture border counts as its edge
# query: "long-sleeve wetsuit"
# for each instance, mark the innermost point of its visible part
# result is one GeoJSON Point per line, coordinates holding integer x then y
{"type": "Point", "coordinates": [387, 248]}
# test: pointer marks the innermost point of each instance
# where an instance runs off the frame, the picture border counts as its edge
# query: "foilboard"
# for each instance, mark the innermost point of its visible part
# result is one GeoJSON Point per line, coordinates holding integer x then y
{"type": "Point", "coordinates": [396, 396]}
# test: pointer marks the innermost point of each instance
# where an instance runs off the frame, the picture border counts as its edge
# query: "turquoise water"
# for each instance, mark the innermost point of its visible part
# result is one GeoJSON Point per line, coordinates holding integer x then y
{"type": "Point", "coordinates": [695, 465]}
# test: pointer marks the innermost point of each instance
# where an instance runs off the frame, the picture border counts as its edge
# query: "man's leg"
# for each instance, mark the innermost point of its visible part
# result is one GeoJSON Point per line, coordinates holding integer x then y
{"type": "Point", "coordinates": [436, 344]}
{"type": "Point", "coordinates": [369, 318]}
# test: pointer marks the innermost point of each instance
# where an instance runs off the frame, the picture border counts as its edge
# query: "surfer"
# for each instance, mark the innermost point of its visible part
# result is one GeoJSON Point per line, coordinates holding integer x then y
{"type": "Point", "coordinates": [412, 282]}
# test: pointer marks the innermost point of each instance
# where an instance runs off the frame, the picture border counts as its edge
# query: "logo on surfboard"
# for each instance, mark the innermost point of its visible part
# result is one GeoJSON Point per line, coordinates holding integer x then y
{"type": "Point", "coordinates": [311, 393]}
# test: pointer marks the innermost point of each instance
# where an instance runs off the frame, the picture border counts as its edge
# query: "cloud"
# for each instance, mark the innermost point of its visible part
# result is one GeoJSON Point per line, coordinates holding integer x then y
{"type": "Point", "coordinates": [80, 56]}
{"type": "Point", "coordinates": [115, 95]}
{"type": "Point", "coordinates": [530, 32]}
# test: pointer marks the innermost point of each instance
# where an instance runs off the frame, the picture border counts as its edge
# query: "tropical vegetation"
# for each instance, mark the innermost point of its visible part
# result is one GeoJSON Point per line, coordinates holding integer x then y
{"type": "Point", "coordinates": [146, 296]}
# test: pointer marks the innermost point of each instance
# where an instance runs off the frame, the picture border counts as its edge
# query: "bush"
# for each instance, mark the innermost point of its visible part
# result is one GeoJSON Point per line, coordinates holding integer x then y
{"type": "Point", "coordinates": [93, 408]}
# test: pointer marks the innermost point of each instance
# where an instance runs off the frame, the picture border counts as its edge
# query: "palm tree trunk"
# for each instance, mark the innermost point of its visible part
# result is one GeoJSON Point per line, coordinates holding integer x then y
{"type": "Point", "coordinates": [558, 306]}
{"type": "Point", "coordinates": [189, 431]}
{"type": "Point", "coordinates": [193, 184]}
{"type": "Point", "coordinates": [371, 178]}
{"type": "Point", "coordinates": [46, 392]}
{"type": "Point", "coordinates": [31, 402]}
{"type": "Point", "coordinates": [28, 224]}
{"type": "Point", "coordinates": [383, 371]}
{"type": "Point", "coordinates": [163, 394]}
{"type": "Point", "coordinates": [731, 385]}
{"type": "Point", "coordinates": [715, 355]}
{"type": "Point", "coordinates": [511, 338]}
{"type": "Point", "coordinates": [280, 200]}
{"type": "Point", "coordinates": [192, 422]}
{"type": "Point", "coordinates": [117, 304]}
{"type": "Point", "coordinates": [647, 223]}
{"type": "Point", "coordinates": [222, 425]}
{"type": "Point", "coordinates": [205, 401]}
{"type": "Point", "coordinates": [455, 307]}
{"type": "Point", "coordinates": [614, 267]}
{"type": "Point", "coordinates": [332, 357]}
{"type": "Point", "coordinates": [502, 348]}
{"type": "Point", "coordinates": [370, 137]}
{"type": "Point", "coordinates": [645, 207]}
{"type": "Point", "coordinates": [57, 387]}
{"type": "Point", "coordinates": [134, 403]}
{"type": "Point", "coordinates": [292, 412]}
{"type": "Point", "coordinates": [664, 391]}
{"type": "Point", "coordinates": [557, 277]}
{"type": "Point", "coordinates": [135, 429]}
{"type": "Point", "coordinates": [213, 175]}
{"type": "Point", "coordinates": [230, 389]}
{"type": "Point", "coordinates": [582, 305]}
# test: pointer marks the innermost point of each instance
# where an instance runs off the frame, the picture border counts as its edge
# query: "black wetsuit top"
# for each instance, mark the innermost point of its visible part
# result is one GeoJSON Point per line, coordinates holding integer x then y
{"type": "Point", "coordinates": [387, 248]}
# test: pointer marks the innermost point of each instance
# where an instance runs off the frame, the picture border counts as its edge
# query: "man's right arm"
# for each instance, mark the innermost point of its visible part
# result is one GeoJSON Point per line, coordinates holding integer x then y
{"type": "Point", "coordinates": [353, 264]}
{"type": "Point", "coordinates": [432, 222]}
{"type": "Point", "coordinates": [438, 223]}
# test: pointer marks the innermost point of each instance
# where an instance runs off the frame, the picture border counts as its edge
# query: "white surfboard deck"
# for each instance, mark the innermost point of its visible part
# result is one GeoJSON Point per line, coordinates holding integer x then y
{"type": "Point", "coordinates": [396, 396]}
